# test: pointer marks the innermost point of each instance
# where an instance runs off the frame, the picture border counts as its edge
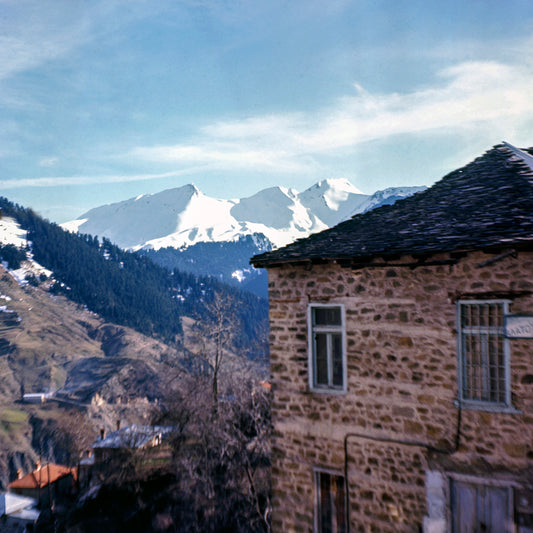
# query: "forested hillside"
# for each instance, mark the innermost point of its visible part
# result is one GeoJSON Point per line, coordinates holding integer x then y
{"type": "Point", "coordinates": [127, 288]}
{"type": "Point", "coordinates": [228, 262]}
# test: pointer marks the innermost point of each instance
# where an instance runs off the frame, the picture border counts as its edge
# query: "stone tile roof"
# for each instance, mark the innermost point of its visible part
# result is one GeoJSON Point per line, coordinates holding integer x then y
{"type": "Point", "coordinates": [487, 204]}
{"type": "Point", "coordinates": [134, 436]}
{"type": "Point", "coordinates": [39, 478]}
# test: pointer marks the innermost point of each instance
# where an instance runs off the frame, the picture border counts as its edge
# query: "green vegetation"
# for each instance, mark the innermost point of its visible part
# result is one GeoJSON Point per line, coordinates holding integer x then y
{"type": "Point", "coordinates": [12, 255]}
{"type": "Point", "coordinates": [13, 422]}
{"type": "Point", "coordinates": [13, 416]}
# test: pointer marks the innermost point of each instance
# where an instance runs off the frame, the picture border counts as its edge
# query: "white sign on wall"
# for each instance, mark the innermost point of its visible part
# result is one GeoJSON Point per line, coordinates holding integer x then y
{"type": "Point", "coordinates": [519, 326]}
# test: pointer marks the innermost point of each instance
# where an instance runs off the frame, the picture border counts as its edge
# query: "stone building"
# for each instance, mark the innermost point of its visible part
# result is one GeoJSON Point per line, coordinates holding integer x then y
{"type": "Point", "coordinates": [401, 351]}
{"type": "Point", "coordinates": [117, 452]}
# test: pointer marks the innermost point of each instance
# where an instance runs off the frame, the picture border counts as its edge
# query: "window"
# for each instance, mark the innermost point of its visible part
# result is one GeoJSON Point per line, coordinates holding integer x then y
{"type": "Point", "coordinates": [327, 360]}
{"type": "Point", "coordinates": [483, 353]}
{"type": "Point", "coordinates": [330, 516]}
{"type": "Point", "coordinates": [477, 507]}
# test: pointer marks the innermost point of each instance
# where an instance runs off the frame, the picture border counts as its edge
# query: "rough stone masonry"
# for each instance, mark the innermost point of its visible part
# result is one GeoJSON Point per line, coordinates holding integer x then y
{"type": "Point", "coordinates": [402, 388]}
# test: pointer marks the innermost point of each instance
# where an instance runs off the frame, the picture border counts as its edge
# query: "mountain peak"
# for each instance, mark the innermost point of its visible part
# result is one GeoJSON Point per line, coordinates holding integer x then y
{"type": "Point", "coordinates": [192, 188]}
{"type": "Point", "coordinates": [332, 200]}
{"type": "Point", "coordinates": [337, 184]}
{"type": "Point", "coordinates": [184, 216]}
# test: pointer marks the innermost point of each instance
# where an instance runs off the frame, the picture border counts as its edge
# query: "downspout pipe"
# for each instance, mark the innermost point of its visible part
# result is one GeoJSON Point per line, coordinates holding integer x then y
{"type": "Point", "coordinates": [404, 442]}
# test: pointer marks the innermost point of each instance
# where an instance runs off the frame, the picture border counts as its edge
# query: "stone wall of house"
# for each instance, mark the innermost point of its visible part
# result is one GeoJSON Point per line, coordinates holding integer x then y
{"type": "Point", "coordinates": [402, 385]}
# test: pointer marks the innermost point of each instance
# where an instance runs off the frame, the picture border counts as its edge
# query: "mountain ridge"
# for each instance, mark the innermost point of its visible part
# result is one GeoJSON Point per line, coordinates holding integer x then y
{"type": "Point", "coordinates": [184, 216]}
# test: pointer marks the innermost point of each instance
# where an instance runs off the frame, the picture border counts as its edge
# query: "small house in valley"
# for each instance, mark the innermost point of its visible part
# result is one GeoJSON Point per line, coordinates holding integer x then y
{"type": "Point", "coordinates": [47, 484]}
{"type": "Point", "coordinates": [120, 443]}
{"type": "Point", "coordinates": [401, 350]}
{"type": "Point", "coordinates": [110, 453]}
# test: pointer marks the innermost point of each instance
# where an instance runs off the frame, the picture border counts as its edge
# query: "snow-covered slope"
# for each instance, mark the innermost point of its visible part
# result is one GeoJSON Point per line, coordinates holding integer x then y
{"type": "Point", "coordinates": [133, 222]}
{"type": "Point", "coordinates": [333, 200]}
{"type": "Point", "coordinates": [185, 216]}
{"type": "Point", "coordinates": [12, 234]}
{"type": "Point", "coordinates": [387, 197]}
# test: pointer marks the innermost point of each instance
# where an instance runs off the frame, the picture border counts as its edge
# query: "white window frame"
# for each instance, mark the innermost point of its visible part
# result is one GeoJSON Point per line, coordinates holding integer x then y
{"type": "Point", "coordinates": [470, 403]}
{"type": "Point", "coordinates": [317, 472]}
{"type": "Point", "coordinates": [312, 329]}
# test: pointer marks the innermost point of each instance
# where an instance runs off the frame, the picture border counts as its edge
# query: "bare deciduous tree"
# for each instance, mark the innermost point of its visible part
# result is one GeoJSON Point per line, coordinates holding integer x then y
{"type": "Point", "coordinates": [213, 338]}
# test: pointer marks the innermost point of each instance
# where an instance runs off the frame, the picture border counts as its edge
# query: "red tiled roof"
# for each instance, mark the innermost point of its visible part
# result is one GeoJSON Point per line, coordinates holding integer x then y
{"type": "Point", "coordinates": [41, 477]}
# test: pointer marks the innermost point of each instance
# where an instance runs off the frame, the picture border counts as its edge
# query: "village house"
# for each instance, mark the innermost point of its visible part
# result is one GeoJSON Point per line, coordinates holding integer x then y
{"type": "Point", "coordinates": [401, 349]}
{"type": "Point", "coordinates": [113, 446]}
{"type": "Point", "coordinates": [111, 452]}
{"type": "Point", "coordinates": [47, 484]}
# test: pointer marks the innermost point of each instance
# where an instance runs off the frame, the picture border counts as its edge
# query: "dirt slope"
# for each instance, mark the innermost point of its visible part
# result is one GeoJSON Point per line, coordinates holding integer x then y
{"type": "Point", "coordinates": [48, 343]}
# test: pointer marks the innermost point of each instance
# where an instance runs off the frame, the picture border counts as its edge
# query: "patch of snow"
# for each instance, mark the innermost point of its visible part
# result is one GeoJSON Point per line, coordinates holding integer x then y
{"type": "Point", "coordinates": [74, 225]}
{"type": "Point", "coordinates": [241, 275]}
{"type": "Point", "coordinates": [12, 233]}
{"type": "Point", "coordinates": [238, 275]}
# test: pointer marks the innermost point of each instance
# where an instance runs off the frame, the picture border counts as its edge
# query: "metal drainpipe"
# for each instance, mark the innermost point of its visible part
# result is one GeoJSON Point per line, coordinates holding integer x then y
{"type": "Point", "coordinates": [419, 444]}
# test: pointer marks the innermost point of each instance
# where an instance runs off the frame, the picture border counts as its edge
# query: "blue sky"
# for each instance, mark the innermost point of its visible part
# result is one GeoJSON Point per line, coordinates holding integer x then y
{"type": "Point", "coordinates": [102, 100]}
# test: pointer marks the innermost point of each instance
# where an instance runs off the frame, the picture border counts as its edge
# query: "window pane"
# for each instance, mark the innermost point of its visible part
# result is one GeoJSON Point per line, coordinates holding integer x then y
{"type": "Point", "coordinates": [483, 352]}
{"type": "Point", "coordinates": [325, 513]}
{"type": "Point", "coordinates": [340, 511]}
{"type": "Point", "coordinates": [327, 316]}
{"type": "Point", "coordinates": [321, 359]}
{"type": "Point", "coordinates": [336, 341]}
{"type": "Point", "coordinates": [496, 369]}
{"type": "Point", "coordinates": [331, 517]}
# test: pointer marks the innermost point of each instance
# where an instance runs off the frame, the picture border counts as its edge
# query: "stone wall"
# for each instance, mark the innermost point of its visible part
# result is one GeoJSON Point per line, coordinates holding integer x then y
{"type": "Point", "coordinates": [402, 386]}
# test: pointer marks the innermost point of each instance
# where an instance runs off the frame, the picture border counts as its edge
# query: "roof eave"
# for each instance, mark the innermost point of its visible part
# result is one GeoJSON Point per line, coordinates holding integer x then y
{"type": "Point", "coordinates": [421, 257]}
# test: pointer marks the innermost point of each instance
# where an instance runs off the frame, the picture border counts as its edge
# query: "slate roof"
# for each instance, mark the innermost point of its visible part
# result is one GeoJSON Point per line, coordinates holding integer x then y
{"type": "Point", "coordinates": [133, 436]}
{"type": "Point", "coordinates": [487, 204]}
{"type": "Point", "coordinates": [48, 473]}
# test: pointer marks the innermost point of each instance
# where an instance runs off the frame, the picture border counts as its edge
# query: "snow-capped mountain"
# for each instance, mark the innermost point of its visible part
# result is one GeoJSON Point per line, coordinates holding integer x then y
{"type": "Point", "coordinates": [184, 229]}
{"type": "Point", "coordinates": [184, 216]}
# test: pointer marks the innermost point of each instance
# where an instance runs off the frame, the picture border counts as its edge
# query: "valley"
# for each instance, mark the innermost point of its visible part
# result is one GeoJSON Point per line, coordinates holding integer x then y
{"type": "Point", "coordinates": [52, 345]}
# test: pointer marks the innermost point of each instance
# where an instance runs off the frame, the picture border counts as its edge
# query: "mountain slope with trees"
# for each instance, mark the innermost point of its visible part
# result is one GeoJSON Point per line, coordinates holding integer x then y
{"type": "Point", "coordinates": [229, 261]}
{"type": "Point", "coordinates": [126, 288]}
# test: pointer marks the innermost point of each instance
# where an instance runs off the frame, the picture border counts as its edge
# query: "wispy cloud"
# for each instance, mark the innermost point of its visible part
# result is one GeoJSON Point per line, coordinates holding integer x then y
{"type": "Point", "coordinates": [484, 96]}
{"type": "Point", "coordinates": [224, 155]}
{"type": "Point", "coordinates": [490, 99]}
{"type": "Point", "coordinates": [39, 32]}
{"type": "Point", "coordinates": [48, 161]}
{"type": "Point", "coordinates": [63, 181]}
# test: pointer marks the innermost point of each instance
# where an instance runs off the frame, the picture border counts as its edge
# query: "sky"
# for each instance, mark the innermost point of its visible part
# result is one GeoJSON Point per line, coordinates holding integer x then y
{"type": "Point", "coordinates": [103, 100]}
